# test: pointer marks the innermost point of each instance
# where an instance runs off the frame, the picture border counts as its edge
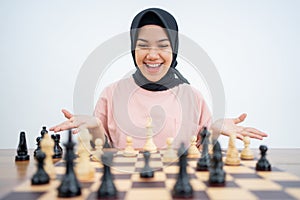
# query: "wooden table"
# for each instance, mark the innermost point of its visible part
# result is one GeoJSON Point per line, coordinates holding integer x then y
{"type": "Point", "coordinates": [13, 173]}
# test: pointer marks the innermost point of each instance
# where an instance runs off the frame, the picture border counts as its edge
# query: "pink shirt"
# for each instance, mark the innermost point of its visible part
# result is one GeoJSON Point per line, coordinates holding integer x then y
{"type": "Point", "coordinates": [124, 107]}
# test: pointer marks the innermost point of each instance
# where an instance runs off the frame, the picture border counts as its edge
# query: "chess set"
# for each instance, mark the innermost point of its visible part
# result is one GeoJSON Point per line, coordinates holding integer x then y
{"type": "Point", "coordinates": [151, 173]}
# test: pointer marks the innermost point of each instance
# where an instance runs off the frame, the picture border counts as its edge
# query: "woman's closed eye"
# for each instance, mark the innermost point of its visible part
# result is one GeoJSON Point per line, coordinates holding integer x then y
{"type": "Point", "coordinates": [142, 45]}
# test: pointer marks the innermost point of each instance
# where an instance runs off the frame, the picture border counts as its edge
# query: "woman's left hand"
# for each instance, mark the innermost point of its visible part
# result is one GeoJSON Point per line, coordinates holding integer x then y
{"type": "Point", "coordinates": [228, 126]}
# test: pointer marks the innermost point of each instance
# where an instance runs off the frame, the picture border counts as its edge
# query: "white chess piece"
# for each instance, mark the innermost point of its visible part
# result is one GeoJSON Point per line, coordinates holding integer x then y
{"type": "Point", "coordinates": [129, 150]}
{"type": "Point", "coordinates": [170, 154]}
{"type": "Point", "coordinates": [246, 153]}
{"type": "Point", "coordinates": [99, 150]}
{"type": "Point", "coordinates": [85, 137]}
{"type": "Point", "coordinates": [84, 170]}
{"type": "Point", "coordinates": [193, 150]}
{"type": "Point", "coordinates": [232, 155]}
{"type": "Point", "coordinates": [47, 145]}
{"type": "Point", "coordinates": [149, 145]}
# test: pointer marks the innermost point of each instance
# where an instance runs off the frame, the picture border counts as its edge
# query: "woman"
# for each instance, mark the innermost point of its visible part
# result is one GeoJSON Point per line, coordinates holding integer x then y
{"type": "Point", "coordinates": [155, 92]}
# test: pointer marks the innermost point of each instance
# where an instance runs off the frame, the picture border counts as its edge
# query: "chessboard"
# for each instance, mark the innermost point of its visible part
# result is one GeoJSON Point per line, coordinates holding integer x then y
{"type": "Point", "coordinates": [242, 182]}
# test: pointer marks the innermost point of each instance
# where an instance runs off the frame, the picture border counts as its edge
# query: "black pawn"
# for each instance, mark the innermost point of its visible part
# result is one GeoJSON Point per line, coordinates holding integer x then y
{"type": "Point", "coordinates": [147, 172]}
{"type": "Point", "coordinates": [263, 164]}
{"type": "Point", "coordinates": [216, 173]}
{"type": "Point", "coordinates": [44, 131]}
{"type": "Point", "coordinates": [204, 161]}
{"type": "Point", "coordinates": [38, 148]}
{"type": "Point", "coordinates": [182, 188]}
{"type": "Point", "coordinates": [107, 188]}
{"type": "Point", "coordinates": [58, 151]}
{"type": "Point", "coordinates": [22, 151]}
{"type": "Point", "coordinates": [40, 177]}
{"type": "Point", "coordinates": [69, 186]}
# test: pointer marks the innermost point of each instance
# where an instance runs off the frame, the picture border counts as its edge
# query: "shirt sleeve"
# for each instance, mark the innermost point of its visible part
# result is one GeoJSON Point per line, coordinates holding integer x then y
{"type": "Point", "coordinates": [101, 110]}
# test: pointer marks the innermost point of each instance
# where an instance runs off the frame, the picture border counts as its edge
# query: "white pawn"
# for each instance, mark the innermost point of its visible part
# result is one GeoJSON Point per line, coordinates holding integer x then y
{"type": "Point", "coordinates": [232, 155]}
{"type": "Point", "coordinates": [246, 153]}
{"type": "Point", "coordinates": [47, 145]}
{"type": "Point", "coordinates": [129, 150]}
{"type": "Point", "coordinates": [99, 150]}
{"type": "Point", "coordinates": [170, 154]}
{"type": "Point", "coordinates": [149, 145]}
{"type": "Point", "coordinates": [193, 151]}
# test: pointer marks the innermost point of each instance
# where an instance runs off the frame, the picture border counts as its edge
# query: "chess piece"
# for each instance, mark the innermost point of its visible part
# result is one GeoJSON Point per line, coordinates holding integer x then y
{"type": "Point", "coordinates": [44, 131]}
{"type": "Point", "coordinates": [263, 164]}
{"type": "Point", "coordinates": [58, 151]}
{"type": "Point", "coordinates": [147, 172]}
{"type": "Point", "coordinates": [246, 153]}
{"type": "Point", "coordinates": [216, 172]}
{"type": "Point", "coordinates": [98, 146]}
{"type": "Point", "coordinates": [106, 144]}
{"type": "Point", "coordinates": [69, 186]}
{"type": "Point", "coordinates": [170, 154]}
{"type": "Point", "coordinates": [204, 160]}
{"type": "Point", "coordinates": [149, 145]}
{"type": "Point", "coordinates": [47, 145]}
{"type": "Point", "coordinates": [38, 144]}
{"type": "Point", "coordinates": [129, 150]}
{"type": "Point", "coordinates": [84, 170]}
{"type": "Point", "coordinates": [201, 137]}
{"type": "Point", "coordinates": [40, 177]}
{"type": "Point", "coordinates": [232, 155]}
{"type": "Point", "coordinates": [193, 150]}
{"type": "Point", "coordinates": [22, 151]}
{"type": "Point", "coordinates": [107, 188]}
{"type": "Point", "coordinates": [182, 187]}
{"type": "Point", "coordinates": [85, 138]}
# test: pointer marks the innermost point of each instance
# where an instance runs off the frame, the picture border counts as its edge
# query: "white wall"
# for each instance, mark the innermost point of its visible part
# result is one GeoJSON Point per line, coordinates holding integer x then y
{"type": "Point", "coordinates": [254, 45]}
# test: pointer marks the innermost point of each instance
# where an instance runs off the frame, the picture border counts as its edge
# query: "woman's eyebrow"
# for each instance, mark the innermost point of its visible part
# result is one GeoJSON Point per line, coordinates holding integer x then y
{"type": "Point", "coordinates": [161, 40]}
{"type": "Point", "coordinates": [143, 40]}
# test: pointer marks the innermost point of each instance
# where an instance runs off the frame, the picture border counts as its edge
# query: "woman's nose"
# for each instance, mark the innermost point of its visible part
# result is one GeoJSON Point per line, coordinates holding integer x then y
{"type": "Point", "coordinates": [153, 53]}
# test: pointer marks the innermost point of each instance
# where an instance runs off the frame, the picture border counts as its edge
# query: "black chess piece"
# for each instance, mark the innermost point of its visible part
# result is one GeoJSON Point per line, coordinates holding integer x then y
{"type": "Point", "coordinates": [106, 144]}
{"type": "Point", "coordinates": [201, 136]}
{"type": "Point", "coordinates": [22, 151]}
{"type": "Point", "coordinates": [40, 177]}
{"type": "Point", "coordinates": [69, 186]}
{"type": "Point", "coordinates": [58, 151]}
{"type": "Point", "coordinates": [182, 187]}
{"type": "Point", "coordinates": [43, 131]}
{"type": "Point", "coordinates": [216, 173]}
{"type": "Point", "coordinates": [263, 164]}
{"type": "Point", "coordinates": [147, 171]}
{"type": "Point", "coordinates": [38, 148]}
{"type": "Point", "coordinates": [107, 188]}
{"type": "Point", "coordinates": [204, 161]}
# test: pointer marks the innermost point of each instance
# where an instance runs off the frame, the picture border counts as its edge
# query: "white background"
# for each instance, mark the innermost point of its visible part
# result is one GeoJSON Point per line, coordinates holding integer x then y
{"type": "Point", "coordinates": [253, 44]}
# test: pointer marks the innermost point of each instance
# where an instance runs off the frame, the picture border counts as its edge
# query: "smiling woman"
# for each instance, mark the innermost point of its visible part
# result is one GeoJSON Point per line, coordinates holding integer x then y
{"type": "Point", "coordinates": [157, 90]}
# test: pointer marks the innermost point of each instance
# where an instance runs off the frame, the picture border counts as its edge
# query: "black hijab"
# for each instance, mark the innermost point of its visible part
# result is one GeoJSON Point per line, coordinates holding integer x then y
{"type": "Point", "coordinates": [156, 16]}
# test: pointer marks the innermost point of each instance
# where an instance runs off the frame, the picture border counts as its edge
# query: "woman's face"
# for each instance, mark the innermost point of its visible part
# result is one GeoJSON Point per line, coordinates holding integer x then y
{"type": "Point", "coordinates": [153, 52]}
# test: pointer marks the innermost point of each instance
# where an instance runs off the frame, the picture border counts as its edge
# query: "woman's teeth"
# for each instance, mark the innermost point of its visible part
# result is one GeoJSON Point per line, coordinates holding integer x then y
{"type": "Point", "coordinates": [153, 65]}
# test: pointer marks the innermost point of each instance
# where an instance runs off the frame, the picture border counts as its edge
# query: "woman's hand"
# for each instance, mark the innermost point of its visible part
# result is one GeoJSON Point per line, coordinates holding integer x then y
{"type": "Point", "coordinates": [77, 122]}
{"type": "Point", "coordinates": [227, 126]}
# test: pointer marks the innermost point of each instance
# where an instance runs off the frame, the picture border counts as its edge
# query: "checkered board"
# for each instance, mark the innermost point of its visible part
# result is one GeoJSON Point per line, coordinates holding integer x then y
{"type": "Point", "coordinates": [242, 182]}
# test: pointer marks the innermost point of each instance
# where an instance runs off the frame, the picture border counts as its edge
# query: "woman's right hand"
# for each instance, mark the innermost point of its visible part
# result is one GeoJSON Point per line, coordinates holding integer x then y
{"type": "Point", "coordinates": [77, 122]}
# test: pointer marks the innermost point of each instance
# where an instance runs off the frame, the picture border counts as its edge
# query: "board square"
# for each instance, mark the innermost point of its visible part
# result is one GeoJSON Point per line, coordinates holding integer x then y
{"type": "Point", "coordinates": [219, 193]}
{"type": "Point", "coordinates": [148, 184]}
{"type": "Point", "coordinates": [258, 184]}
{"type": "Point", "coordinates": [271, 194]}
{"type": "Point", "coordinates": [23, 195]}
